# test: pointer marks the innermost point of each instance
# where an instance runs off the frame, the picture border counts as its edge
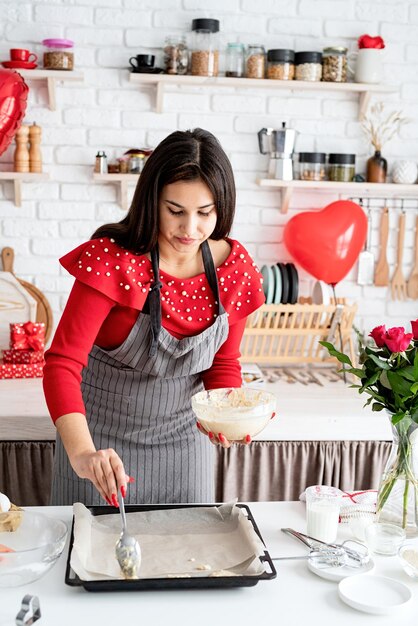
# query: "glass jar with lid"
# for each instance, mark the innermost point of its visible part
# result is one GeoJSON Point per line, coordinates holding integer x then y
{"type": "Point", "coordinates": [281, 64]}
{"type": "Point", "coordinates": [312, 165]}
{"type": "Point", "coordinates": [176, 55]}
{"type": "Point", "coordinates": [255, 62]}
{"type": "Point", "coordinates": [308, 66]}
{"type": "Point", "coordinates": [334, 64]}
{"type": "Point", "coordinates": [58, 54]}
{"type": "Point", "coordinates": [234, 64]}
{"type": "Point", "coordinates": [205, 47]}
{"type": "Point", "coordinates": [341, 167]}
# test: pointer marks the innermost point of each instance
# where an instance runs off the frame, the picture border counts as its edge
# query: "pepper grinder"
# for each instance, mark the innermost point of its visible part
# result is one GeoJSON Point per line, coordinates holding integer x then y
{"type": "Point", "coordinates": [21, 154]}
{"type": "Point", "coordinates": [35, 157]}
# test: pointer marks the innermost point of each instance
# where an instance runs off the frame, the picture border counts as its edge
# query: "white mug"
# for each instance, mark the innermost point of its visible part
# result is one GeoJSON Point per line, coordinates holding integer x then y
{"type": "Point", "coordinates": [368, 65]}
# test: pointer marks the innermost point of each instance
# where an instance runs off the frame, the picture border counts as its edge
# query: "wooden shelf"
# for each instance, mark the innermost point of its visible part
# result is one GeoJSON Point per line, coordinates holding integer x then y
{"type": "Point", "coordinates": [51, 77]}
{"type": "Point", "coordinates": [122, 181]}
{"type": "Point", "coordinates": [162, 80]}
{"type": "Point", "coordinates": [22, 177]}
{"type": "Point", "coordinates": [357, 190]}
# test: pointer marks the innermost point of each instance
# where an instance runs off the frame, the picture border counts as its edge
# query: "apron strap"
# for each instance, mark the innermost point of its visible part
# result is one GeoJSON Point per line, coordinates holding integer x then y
{"type": "Point", "coordinates": [210, 272]}
{"type": "Point", "coordinates": [154, 302]}
{"type": "Point", "coordinates": [154, 299]}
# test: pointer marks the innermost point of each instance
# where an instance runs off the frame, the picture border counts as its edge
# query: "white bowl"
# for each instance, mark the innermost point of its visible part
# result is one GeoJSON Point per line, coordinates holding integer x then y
{"type": "Point", "coordinates": [234, 412]}
{"type": "Point", "coordinates": [36, 545]}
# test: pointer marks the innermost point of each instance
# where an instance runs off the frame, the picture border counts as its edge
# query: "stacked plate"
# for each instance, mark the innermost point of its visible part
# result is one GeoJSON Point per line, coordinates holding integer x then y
{"type": "Point", "coordinates": [280, 283]}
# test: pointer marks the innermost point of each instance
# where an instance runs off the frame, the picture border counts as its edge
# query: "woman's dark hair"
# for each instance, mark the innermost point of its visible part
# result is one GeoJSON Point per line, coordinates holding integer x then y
{"type": "Point", "coordinates": [184, 155]}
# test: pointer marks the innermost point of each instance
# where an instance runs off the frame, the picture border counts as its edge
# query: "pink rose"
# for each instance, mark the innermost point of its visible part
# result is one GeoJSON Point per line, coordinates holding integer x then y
{"type": "Point", "coordinates": [415, 329]}
{"type": "Point", "coordinates": [397, 340]}
{"type": "Point", "coordinates": [378, 334]}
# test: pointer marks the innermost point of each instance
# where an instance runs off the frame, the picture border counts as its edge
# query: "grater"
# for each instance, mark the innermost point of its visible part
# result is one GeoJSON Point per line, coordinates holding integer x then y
{"type": "Point", "coordinates": [366, 259]}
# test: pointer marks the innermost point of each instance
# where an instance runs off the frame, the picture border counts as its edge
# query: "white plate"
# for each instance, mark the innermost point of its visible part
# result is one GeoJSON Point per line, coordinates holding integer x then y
{"type": "Point", "coordinates": [321, 295]}
{"type": "Point", "coordinates": [374, 594]}
{"type": "Point", "coordinates": [339, 573]}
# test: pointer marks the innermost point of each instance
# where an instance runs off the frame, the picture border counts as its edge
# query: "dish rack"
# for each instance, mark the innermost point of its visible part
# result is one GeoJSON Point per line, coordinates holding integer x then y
{"type": "Point", "coordinates": [290, 333]}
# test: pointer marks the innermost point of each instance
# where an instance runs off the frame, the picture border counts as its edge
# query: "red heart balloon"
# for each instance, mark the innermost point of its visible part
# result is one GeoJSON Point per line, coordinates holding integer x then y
{"type": "Point", "coordinates": [327, 243]}
{"type": "Point", "coordinates": [13, 100]}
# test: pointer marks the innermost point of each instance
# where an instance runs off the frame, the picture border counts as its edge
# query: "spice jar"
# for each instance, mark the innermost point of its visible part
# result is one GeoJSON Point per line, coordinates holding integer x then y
{"type": "Point", "coordinates": [341, 167]}
{"type": "Point", "coordinates": [176, 55]}
{"type": "Point", "coordinates": [58, 54]}
{"type": "Point", "coordinates": [234, 60]}
{"type": "Point", "coordinates": [312, 166]}
{"type": "Point", "coordinates": [281, 64]}
{"type": "Point", "coordinates": [205, 47]}
{"type": "Point", "coordinates": [308, 66]}
{"type": "Point", "coordinates": [334, 64]}
{"type": "Point", "coordinates": [255, 62]}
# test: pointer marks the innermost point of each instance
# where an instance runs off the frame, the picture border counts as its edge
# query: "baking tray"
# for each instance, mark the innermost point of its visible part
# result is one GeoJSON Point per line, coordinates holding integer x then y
{"type": "Point", "coordinates": [146, 584]}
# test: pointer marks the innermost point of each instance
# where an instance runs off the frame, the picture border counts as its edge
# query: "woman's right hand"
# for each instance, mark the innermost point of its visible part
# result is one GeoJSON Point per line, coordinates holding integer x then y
{"type": "Point", "coordinates": [105, 470]}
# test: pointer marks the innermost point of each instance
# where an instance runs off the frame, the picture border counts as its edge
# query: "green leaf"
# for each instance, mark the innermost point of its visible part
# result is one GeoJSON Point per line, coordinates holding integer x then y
{"type": "Point", "coordinates": [342, 358]}
{"type": "Point", "coordinates": [416, 365]}
{"type": "Point", "coordinates": [377, 407]}
{"type": "Point", "coordinates": [382, 364]}
{"type": "Point", "coordinates": [398, 417]}
{"type": "Point", "coordinates": [414, 388]}
{"type": "Point", "coordinates": [408, 373]}
{"type": "Point", "coordinates": [399, 385]}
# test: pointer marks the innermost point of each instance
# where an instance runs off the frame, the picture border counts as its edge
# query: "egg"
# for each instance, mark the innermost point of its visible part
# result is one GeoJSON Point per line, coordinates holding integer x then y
{"type": "Point", "coordinates": [4, 503]}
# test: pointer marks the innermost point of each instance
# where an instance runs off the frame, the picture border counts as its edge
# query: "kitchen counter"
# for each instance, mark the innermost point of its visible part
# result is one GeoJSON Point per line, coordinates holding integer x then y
{"type": "Point", "coordinates": [296, 596]}
{"type": "Point", "coordinates": [321, 434]}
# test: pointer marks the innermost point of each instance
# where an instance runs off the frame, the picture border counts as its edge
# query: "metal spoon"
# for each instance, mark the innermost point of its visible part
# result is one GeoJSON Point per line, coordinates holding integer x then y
{"type": "Point", "coordinates": [127, 549]}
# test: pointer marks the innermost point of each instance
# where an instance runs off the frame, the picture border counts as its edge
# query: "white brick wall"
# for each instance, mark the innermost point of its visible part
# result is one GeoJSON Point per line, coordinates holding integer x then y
{"type": "Point", "coordinates": [107, 112]}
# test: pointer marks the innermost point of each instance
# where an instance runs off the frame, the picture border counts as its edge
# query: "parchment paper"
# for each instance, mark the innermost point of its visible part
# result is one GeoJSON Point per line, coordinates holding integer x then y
{"type": "Point", "coordinates": [195, 541]}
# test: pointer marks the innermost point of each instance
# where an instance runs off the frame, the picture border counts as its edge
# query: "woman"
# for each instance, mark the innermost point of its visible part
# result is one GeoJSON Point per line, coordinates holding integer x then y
{"type": "Point", "coordinates": [156, 313]}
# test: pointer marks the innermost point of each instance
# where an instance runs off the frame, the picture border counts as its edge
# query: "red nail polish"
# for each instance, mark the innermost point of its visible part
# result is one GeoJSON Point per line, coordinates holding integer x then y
{"type": "Point", "coordinates": [108, 501]}
{"type": "Point", "coordinates": [123, 491]}
{"type": "Point", "coordinates": [131, 479]}
{"type": "Point", "coordinates": [115, 500]}
{"type": "Point", "coordinates": [273, 415]}
{"type": "Point", "coordinates": [248, 438]}
{"type": "Point", "coordinates": [198, 425]}
{"type": "Point", "coordinates": [210, 435]}
{"type": "Point", "coordinates": [221, 438]}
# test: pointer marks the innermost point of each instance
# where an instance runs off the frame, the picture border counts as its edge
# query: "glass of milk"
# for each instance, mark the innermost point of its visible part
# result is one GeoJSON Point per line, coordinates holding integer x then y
{"type": "Point", "coordinates": [323, 512]}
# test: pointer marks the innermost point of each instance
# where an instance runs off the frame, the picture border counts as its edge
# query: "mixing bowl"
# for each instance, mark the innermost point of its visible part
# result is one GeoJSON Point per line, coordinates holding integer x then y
{"type": "Point", "coordinates": [34, 546]}
{"type": "Point", "coordinates": [234, 412]}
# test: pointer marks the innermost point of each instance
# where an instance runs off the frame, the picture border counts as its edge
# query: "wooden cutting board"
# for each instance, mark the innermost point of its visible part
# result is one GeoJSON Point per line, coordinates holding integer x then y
{"type": "Point", "coordinates": [43, 311]}
{"type": "Point", "coordinates": [16, 305]}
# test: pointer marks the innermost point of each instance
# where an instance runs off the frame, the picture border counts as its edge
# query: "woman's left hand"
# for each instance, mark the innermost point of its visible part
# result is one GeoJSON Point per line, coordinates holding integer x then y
{"type": "Point", "coordinates": [220, 439]}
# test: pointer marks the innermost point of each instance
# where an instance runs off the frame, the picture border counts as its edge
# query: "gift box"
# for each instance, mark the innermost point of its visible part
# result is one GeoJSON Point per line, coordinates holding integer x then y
{"type": "Point", "coordinates": [27, 336]}
{"type": "Point", "coordinates": [23, 356]}
{"type": "Point", "coordinates": [21, 370]}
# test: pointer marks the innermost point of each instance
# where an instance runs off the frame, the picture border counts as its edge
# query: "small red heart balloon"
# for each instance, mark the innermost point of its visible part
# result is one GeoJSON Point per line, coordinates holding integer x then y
{"type": "Point", "coordinates": [13, 100]}
{"type": "Point", "coordinates": [327, 243]}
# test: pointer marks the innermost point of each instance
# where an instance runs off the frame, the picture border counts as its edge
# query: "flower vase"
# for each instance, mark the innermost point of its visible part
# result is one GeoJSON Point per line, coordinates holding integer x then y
{"type": "Point", "coordinates": [376, 168]}
{"type": "Point", "coordinates": [397, 499]}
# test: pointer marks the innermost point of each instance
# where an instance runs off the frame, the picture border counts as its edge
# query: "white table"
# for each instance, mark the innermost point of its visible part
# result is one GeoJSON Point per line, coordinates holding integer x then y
{"type": "Point", "coordinates": [295, 598]}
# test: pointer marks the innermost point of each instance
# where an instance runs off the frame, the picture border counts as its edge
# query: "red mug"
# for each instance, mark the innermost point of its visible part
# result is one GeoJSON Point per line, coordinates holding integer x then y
{"type": "Point", "coordinates": [20, 54]}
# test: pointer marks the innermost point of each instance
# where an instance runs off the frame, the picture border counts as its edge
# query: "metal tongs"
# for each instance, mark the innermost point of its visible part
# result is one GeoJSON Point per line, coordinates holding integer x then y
{"type": "Point", "coordinates": [332, 553]}
{"type": "Point", "coordinates": [127, 549]}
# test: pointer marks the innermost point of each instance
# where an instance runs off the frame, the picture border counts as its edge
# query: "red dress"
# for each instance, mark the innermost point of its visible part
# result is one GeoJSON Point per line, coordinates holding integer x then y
{"type": "Point", "coordinates": [111, 287]}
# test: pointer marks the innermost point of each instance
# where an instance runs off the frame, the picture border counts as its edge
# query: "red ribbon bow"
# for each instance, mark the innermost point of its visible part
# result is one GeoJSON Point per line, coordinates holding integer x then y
{"type": "Point", "coordinates": [29, 336]}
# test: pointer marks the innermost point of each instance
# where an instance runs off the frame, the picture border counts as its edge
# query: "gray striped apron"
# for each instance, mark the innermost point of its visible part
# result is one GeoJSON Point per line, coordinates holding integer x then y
{"type": "Point", "coordinates": [137, 400]}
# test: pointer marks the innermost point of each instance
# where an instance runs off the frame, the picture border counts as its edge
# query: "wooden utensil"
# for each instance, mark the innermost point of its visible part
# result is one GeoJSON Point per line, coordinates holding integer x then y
{"type": "Point", "coordinates": [16, 305]}
{"type": "Point", "coordinates": [398, 280]}
{"type": "Point", "coordinates": [44, 311]}
{"type": "Point", "coordinates": [413, 279]}
{"type": "Point", "coordinates": [381, 275]}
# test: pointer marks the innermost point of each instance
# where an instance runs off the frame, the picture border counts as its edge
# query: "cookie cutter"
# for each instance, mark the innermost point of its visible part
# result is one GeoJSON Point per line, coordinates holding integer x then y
{"type": "Point", "coordinates": [30, 611]}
